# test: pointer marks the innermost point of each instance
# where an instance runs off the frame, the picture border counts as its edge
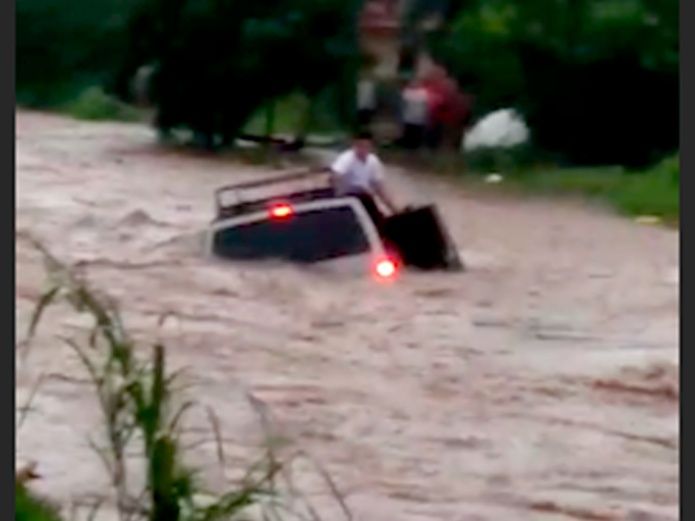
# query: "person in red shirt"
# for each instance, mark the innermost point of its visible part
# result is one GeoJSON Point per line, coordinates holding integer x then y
{"type": "Point", "coordinates": [435, 85]}
{"type": "Point", "coordinates": [450, 109]}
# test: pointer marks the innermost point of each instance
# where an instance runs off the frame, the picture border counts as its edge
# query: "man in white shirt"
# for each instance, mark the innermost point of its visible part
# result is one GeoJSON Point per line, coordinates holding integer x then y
{"type": "Point", "coordinates": [358, 172]}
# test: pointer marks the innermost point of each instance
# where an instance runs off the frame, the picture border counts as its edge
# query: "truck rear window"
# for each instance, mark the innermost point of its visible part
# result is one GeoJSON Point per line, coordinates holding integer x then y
{"type": "Point", "coordinates": [310, 236]}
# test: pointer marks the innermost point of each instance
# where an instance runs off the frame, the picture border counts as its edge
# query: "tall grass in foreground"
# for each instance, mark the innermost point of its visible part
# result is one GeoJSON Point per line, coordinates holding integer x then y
{"type": "Point", "coordinates": [27, 507]}
{"type": "Point", "coordinates": [137, 403]}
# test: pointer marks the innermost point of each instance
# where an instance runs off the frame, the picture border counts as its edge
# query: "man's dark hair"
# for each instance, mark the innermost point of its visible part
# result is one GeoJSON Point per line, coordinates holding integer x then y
{"type": "Point", "coordinates": [363, 135]}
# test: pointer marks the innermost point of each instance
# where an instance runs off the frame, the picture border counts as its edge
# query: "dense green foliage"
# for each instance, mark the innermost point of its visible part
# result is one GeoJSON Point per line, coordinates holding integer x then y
{"type": "Point", "coordinates": [596, 79]}
{"type": "Point", "coordinates": [65, 47]}
{"type": "Point", "coordinates": [218, 61]}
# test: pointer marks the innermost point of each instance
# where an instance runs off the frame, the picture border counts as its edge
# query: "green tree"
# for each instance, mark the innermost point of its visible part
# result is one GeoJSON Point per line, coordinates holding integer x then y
{"type": "Point", "coordinates": [215, 62]}
{"type": "Point", "coordinates": [597, 79]}
{"type": "Point", "coordinates": [218, 61]}
{"type": "Point", "coordinates": [64, 47]}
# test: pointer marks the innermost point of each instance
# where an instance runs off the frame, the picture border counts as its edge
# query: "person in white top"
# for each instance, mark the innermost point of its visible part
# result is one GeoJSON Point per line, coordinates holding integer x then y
{"type": "Point", "coordinates": [366, 101]}
{"type": "Point", "coordinates": [358, 172]}
{"type": "Point", "coordinates": [415, 114]}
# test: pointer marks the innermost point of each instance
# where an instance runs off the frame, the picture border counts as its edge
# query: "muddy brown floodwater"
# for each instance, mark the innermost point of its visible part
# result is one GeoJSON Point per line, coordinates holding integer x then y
{"type": "Point", "coordinates": [541, 384]}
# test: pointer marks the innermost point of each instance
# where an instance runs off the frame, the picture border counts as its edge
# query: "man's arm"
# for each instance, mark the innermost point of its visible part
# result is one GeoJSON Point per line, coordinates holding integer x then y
{"type": "Point", "coordinates": [383, 193]}
{"type": "Point", "coordinates": [379, 186]}
{"type": "Point", "coordinates": [332, 174]}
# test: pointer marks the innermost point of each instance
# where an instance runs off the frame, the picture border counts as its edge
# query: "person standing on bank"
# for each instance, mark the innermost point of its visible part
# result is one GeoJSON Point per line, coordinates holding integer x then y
{"type": "Point", "coordinates": [366, 101]}
{"type": "Point", "coordinates": [359, 173]}
{"type": "Point", "coordinates": [415, 115]}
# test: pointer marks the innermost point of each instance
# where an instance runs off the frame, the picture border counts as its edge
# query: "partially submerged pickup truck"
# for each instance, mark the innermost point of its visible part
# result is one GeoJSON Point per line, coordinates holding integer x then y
{"type": "Point", "coordinates": [310, 224]}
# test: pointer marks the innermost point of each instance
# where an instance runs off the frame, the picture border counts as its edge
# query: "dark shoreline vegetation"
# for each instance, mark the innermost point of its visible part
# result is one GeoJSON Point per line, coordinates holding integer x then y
{"type": "Point", "coordinates": [653, 191]}
{"type": "Point", "coordinates": [597, 80]}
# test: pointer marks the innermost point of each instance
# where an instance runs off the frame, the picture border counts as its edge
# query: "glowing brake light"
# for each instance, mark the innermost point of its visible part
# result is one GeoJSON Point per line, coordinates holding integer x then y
{"type": "Point", "coordinates": [385, 268]}
{"type": "Point", "coordinates": [281, 211]}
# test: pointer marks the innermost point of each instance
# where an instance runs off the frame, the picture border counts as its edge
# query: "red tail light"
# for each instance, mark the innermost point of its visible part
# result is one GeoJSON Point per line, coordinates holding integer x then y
{"type": "Point", "coordinates": [385, 269]}
{"type": "Point", "coordinates": [281, 211]}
